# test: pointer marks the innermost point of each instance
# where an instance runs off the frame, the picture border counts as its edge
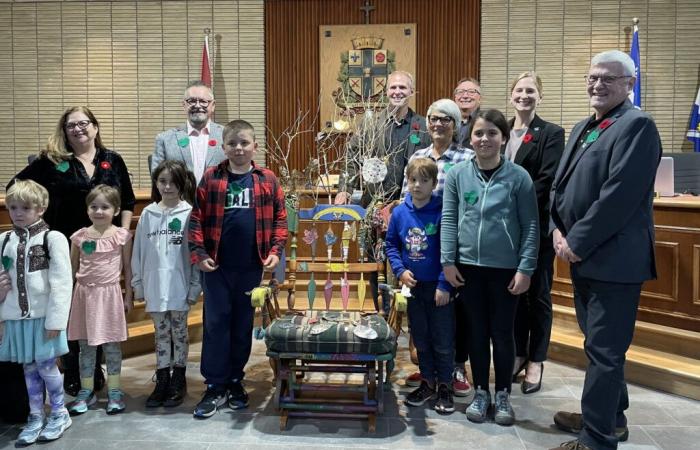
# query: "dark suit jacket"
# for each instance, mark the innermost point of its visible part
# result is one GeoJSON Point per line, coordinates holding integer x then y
{"type": "Point", "coordinates": [540, 157]}
{"type": "Point", "coordinates": [399, 152]}
{"type": "Point", "coordinates": [602, 198]}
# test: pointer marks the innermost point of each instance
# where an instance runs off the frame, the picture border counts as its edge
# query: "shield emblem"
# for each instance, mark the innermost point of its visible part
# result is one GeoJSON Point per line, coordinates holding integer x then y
{"type": "Point", "coordinates": [367, 71]}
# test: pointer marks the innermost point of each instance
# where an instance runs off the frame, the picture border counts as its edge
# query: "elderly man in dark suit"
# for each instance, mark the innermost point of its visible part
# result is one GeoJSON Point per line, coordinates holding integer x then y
{"type": "Point", "coordinates": [197, 143]}
{"type": "Point", "coordinates": [602, 223]}
{"type": "Point", "coordinates": [467, 95]}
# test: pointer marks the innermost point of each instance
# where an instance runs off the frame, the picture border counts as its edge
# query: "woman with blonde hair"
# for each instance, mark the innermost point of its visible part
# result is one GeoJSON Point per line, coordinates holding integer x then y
{"type": "Point", "coordinates": [73, 162]}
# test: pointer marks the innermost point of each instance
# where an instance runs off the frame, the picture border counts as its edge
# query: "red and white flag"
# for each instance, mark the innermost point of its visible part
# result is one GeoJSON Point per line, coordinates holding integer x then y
{"type": "Point", "coordinates": [206, 71]}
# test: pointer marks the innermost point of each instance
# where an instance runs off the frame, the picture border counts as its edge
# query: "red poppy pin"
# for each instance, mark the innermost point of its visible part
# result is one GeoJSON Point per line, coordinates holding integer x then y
{"type": "Point", "coordinates": [105, 165]}
{"type": "Point", "coordinates": [527, 138]}
{"type": "Point", "coordinates": [212, 142]}
{"type": "Point", "coordinates": [415, 126]}
{"type": "Point", "coordinates": [605, 124]}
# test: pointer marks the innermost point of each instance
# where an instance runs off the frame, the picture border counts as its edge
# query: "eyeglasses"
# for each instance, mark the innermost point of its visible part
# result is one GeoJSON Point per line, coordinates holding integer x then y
{"type": "Point", "coordinates": [193, 101]}
{"type": "Point", "coordinates": [82, 124]}
{"type": "Point", "coordinates": [467, 91]}
{"type": "Point", "coordinates": [444, 120]}
{"type": "Point", "coordinates": [605, 79]}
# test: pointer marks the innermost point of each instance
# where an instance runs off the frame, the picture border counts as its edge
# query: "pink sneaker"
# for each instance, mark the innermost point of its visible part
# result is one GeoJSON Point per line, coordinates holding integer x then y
{"type": "Point", "coordinates": [414, 379]}
{"type": "Point", "coordinates": [460, 384]}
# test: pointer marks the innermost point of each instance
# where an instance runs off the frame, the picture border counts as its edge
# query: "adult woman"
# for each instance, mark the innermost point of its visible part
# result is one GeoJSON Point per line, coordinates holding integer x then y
{"type": "Point", "coordinates": [442, 121]}
{"type": "Point", "coordinates": [73, 162]}
{"type": "Point", "coordinates": [488, 247]}
{"type": "Point", "coordinates": [537, 146]}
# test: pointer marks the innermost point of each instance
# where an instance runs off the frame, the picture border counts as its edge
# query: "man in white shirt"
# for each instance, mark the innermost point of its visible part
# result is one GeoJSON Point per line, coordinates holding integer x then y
{"type": "Point", "coordinates": [197, 143]}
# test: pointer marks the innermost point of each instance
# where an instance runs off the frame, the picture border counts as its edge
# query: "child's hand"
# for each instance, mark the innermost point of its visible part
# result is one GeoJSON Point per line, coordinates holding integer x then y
{"type": "Point", "coordinates": [271, 262]}
{"type": "Point", "coordinates": [453, 276]}
{"type": "Point", "coordinates": [407, 278]}
{"type": "Point", "coordinates": [5, 285]}
{"type": "Point", "coordinates": [519, 284]}
{"type": "Point", "coordinates": [207, 265]}
{"type": "Point", "coordinates": [441, 297]}
{"type": "Point", "coordinates": [128, 304]}
{"type": "Point", "coordinates": [52, 334]}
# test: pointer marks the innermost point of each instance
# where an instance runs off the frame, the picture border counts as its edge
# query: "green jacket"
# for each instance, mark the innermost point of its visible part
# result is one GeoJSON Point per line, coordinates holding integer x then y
{"type": "Point", "coordinates": [489, 223]}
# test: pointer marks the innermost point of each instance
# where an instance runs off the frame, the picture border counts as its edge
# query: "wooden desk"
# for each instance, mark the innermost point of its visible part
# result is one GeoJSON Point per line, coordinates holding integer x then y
{"type": "Point", "coordinates": [673, 299]}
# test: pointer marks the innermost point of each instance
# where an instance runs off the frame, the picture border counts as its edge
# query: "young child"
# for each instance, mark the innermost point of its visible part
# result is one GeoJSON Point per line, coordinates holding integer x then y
{"type": "Point", "coordinates": [99, 255]}
{"type": "Point", "coordinates": [488, 245]}
{"type": "Point", "coordinates": [163, 275]}
{"type": "Point", "coordinates": [35, 286]}
{"type": "Point", "coordinates": [238, 227]}
{"type": "Point", "coordinates": [413, 250]}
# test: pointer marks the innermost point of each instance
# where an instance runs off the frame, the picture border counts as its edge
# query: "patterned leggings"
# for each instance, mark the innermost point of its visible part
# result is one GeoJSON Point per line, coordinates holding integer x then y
{"type": "Point", "coordinates": [88, 354]}
{"type": "Point", "coordinates": [171, 328]}
{"type": "Point", "coordinates": [42, 375]}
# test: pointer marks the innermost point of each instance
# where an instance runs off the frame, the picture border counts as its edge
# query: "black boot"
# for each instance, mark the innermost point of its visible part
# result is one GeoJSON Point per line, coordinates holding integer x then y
{"type": "Point", "coordinates": [160, 392]}
{"type": "Point", "coordinates": [178, 388]}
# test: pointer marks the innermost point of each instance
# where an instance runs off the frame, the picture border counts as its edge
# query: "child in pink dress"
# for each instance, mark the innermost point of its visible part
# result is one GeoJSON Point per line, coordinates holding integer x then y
{"type": "Point", "coordinates": [99, 255]}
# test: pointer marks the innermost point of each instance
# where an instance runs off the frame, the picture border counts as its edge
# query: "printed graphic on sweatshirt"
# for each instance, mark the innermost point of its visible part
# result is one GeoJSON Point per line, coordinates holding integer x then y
{"type": "Point", "coordinates": [237, 196]}
{"type": "Point", "coordinates": [416, 243]}
{"type": "Point", "coordinates": [174, 232]}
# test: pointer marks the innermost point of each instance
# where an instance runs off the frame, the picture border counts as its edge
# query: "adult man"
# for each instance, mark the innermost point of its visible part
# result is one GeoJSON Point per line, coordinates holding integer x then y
{"type": "Point", "coordinates": [467, 95]}
{"type": "Point", "coordinates": [198, 142]}
{"type": "Point", "coordinates": [402, 133]}
{"type": "Point", "coordinates": [602, 223]}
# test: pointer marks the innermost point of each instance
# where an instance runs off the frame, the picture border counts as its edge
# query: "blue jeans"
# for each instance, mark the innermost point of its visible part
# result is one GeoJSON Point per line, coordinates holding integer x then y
{"type": "Point", "coordinates": [433, 331]}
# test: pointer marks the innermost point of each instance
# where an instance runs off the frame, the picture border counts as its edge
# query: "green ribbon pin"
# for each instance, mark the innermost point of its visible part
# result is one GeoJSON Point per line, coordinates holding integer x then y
{"type": "Point", "coordinates": [183, 142]}
{"type": "Point", "coordinates": [447, 167]}
{"type": "Point", "coordinates": [471, 197]}
{"type": "Point", "coordinates": [592, 136]}
{"type": "Point", "coordinates": [235, 188]}
{"type": "Point", "coordinates": [6, 262]}
{"type": "Point", "coordinates": [62, 166]}
{"type": "Point", "coordinates": [430, 229]}
{"type": "Point", "coordinates": [175, 225]}
{"type": "Point", "coordinates": [414, 139]}
{"type": "Point", "coordinates": [89, 247]}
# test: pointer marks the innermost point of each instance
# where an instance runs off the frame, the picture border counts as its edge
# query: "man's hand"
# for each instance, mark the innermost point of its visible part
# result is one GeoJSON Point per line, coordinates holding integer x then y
{"type": "Point", "coordinates": [271, 262]}
{"type": "Point", "coordinates": [519, 284]}
{"type": "Point", "coordinates": [342, 198]}
{"type": "Point", "coordinates": [407, 278]}
{"type": "Point", "coordinates": [207, 265]}
{"type": "Point", "coordinates": [441, 297]}
{"type": "Point", "coordinates": [5, 285]}
{"type": "Point", "coordinates": [453, 276]}
{"type": "Point", "coordinates": [562, 249]}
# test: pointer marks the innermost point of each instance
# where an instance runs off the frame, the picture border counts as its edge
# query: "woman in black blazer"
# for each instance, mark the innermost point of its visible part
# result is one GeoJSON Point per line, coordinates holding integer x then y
{"type": "Point", "coordinates": [537, 146]}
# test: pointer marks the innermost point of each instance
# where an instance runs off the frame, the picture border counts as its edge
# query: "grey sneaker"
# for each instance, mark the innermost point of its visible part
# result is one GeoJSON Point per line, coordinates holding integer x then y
{"type": "Point", "coordinates": [115, 401]}
{"type": "Point", "coordinates": [58, 423]}
{"type": "Point", "coordinates": [504, 414]}
{"type": "Point", "coordinates": [82, 402]}
{"type": "Point", "coordinates": [476, 412]}
{"type": "Point", "coordinates": [30, 432]}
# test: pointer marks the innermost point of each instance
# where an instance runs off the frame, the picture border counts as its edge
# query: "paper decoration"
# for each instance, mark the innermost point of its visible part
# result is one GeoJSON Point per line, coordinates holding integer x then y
{"type": "Point", "coordinates": [183, 142]}
{"type": "Point", "coordinates": [62, 166]}
{"type": "Point", "coordinates": [374, 170]}
{"type": "Point", "coordinates": [89, 247]}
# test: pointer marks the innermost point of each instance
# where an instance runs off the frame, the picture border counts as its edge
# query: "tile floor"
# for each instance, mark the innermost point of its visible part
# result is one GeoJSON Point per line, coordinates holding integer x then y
{"type": "Point", "coordinates": [656, 420]}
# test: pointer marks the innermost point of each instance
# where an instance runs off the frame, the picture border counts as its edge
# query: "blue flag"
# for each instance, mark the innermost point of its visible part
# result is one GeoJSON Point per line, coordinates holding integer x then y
{"type": "Point", "coordinates": [694, 127]}
{"type": "Point", "coordinates": [634, 54]}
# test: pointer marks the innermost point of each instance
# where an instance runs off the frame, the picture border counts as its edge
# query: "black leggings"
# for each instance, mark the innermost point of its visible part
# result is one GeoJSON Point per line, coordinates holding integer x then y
{"type": "Point", "coordinates": [490, 311]}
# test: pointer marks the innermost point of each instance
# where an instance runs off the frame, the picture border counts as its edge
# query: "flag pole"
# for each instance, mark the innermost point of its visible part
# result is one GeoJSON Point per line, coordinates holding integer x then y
{"type": "Point", "coordinates": [635, 55]}
{"type": "Point", "coordinates": [207, 32]}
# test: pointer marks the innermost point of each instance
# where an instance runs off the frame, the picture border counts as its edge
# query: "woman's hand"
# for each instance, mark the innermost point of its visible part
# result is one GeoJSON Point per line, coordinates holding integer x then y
{"type": "Point", "coordinates": [453, 276]}
{"type": "Point", "coordinates": [271, 262]}
{"type": "Point", "coordinates": [441, 297]}
{"type": "Point", "coordinates": [407, 278]}
{"type": "Point", "coordinates": [52, 334]}
{"type": "Point", "coordinates": [5, 285]}
{"type": "Point", "coordinates": [519, 284]}
{"type": "Point", "coordinates": [207, 265]}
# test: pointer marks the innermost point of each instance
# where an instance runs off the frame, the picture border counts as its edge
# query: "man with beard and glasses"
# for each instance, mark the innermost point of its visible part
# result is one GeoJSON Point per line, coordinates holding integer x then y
{"type": "Point", "coordinates": [197, 143]}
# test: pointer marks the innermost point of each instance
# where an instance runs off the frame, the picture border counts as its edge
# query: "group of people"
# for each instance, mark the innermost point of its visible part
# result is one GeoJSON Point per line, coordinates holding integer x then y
{"type": "Point", "coordinates": [486, 203]}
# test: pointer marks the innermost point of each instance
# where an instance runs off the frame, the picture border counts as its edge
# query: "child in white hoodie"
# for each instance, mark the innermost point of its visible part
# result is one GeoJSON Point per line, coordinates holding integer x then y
{"type": "Point", "coordinates": [163, 276]}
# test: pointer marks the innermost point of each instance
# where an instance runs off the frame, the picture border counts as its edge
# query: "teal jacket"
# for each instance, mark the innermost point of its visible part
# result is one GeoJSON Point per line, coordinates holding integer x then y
{"type": "Point", "coordinates": [490, 223]}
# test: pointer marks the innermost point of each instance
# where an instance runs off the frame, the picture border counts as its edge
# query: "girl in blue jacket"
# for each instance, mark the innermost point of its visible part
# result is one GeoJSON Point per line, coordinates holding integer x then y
{"type": "Point", "coordinates": [488, 244]}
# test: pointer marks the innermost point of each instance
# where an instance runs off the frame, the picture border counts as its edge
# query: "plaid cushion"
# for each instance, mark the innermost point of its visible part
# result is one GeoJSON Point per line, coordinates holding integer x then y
{"type": "Point", "coordinates": [294, 333]}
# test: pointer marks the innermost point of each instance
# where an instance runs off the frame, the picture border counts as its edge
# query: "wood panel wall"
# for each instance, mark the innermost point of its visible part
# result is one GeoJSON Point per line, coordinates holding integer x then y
{"type": "Point", "coordinates": [447, 46]}
{"type": "Point", "coordinates": [558, 38]}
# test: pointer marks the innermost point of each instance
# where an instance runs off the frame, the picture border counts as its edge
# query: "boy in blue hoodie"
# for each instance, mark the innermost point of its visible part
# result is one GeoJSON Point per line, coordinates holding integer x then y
{"type": "Point", "coordinates": [413, 250]}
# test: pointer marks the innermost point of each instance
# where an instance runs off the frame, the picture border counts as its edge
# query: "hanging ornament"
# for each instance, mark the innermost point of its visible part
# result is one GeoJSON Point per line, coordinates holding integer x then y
{"type": "Point", "coordinates": [374, 170]}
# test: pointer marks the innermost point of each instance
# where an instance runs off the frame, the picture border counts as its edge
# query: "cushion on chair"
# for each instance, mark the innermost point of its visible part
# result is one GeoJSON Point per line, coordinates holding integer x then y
{"type": "Point", "coordinates": [336, 333]}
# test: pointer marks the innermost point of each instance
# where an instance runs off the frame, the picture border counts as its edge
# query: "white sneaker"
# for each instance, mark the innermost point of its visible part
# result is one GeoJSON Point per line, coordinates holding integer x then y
{"type": "Point", "coordinates": [58, 423]}
{"type": "Point", "coordinates": [30, 432]}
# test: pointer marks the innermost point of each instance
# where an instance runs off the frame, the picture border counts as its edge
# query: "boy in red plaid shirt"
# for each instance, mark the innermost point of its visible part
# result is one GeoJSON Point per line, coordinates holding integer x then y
{"type": "Point", "coordinates": [238, 227]}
